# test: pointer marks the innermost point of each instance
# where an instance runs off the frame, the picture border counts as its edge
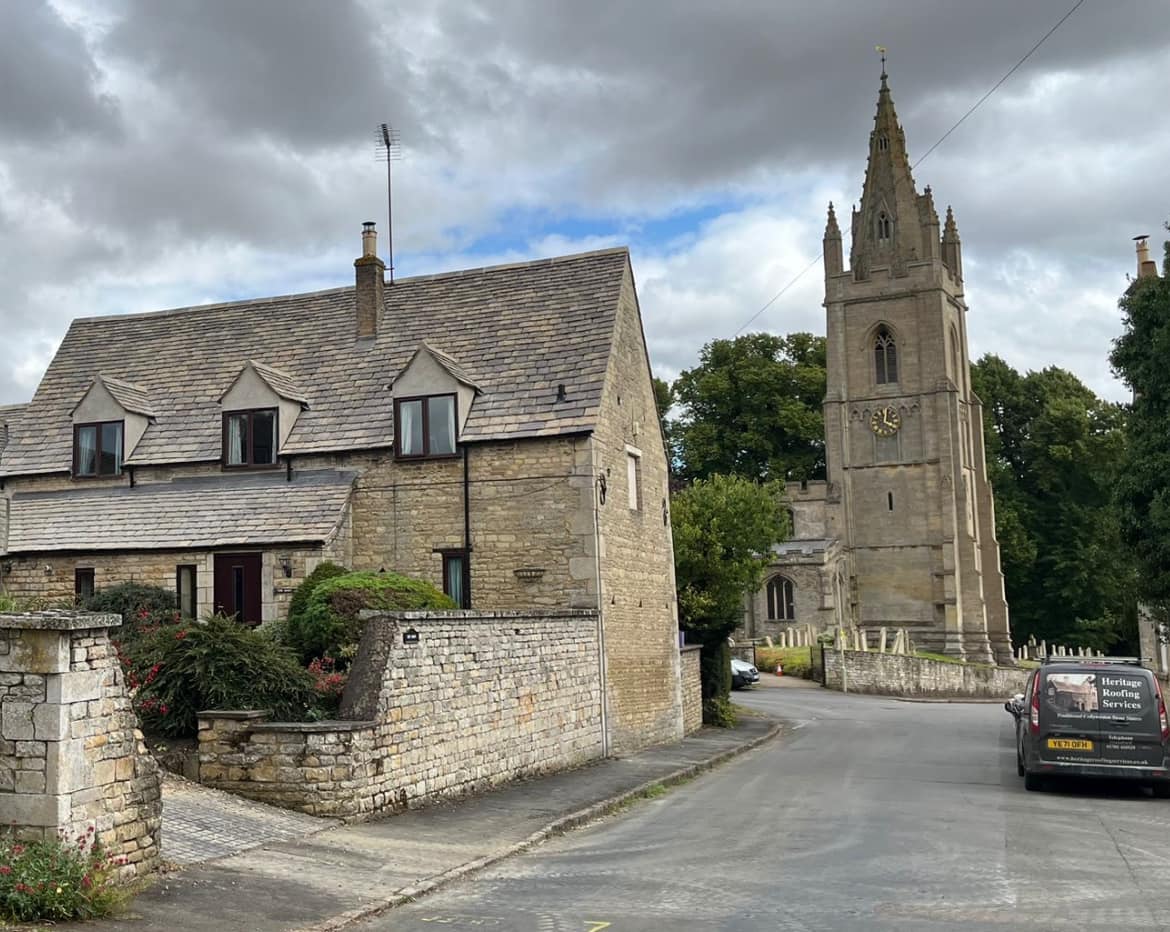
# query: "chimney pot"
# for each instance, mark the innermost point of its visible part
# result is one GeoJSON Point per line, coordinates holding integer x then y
{"type": "Point", "coordinates": [369, 239]}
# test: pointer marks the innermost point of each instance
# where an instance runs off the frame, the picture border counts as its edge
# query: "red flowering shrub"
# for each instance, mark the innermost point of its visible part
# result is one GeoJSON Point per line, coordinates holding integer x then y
{"type": "Point", "coordinates": [328, 683]}
{"type": "Point", "coordinates": [59, 879]}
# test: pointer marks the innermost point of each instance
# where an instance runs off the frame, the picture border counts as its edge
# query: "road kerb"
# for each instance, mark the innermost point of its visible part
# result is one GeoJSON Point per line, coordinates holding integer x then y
{"type": "Point", "coordinates": [556, 827]}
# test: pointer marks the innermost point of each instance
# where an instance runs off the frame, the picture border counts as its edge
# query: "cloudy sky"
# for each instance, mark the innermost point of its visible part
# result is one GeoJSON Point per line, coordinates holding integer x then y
{"type": "Point", "coordinates": [156, 155]}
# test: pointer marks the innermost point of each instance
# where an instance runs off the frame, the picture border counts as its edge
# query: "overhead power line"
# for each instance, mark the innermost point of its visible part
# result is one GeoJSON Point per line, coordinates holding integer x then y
{"type": "Point", "coordinates": [995, 87]}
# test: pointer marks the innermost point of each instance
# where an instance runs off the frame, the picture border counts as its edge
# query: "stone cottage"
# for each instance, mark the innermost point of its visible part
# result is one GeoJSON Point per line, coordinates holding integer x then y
{"type": "Point", "coordinates": [492, 430]}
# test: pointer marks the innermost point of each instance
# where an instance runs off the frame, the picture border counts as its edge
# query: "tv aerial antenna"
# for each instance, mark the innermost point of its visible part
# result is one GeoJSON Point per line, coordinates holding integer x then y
{"type": "Point", "coordinates": [389, 150]}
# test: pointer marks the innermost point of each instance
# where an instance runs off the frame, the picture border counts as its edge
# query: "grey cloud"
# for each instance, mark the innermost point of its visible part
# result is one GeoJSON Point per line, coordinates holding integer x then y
{"type": "Point", "coordinates": [49, 80]}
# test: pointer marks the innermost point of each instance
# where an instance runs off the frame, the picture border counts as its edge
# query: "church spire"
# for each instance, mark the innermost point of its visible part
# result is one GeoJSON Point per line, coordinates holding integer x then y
{"type": "Point", "coordinates": [832, 244]}
{"type": "Point", "coordinates": [887, 230]}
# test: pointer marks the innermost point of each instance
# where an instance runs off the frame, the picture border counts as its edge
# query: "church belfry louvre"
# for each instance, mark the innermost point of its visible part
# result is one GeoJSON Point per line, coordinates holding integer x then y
{"type": "Point", "coordinates": [902, 533]}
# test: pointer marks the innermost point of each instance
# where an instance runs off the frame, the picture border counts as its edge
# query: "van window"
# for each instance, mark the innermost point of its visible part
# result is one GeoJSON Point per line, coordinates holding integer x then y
{"type": "Point", "coordinates": [1101, 692]}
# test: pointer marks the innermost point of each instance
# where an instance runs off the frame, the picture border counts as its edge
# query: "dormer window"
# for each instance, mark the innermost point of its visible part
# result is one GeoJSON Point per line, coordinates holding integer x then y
{"type": "Point", "coordinates": [97, 449]}
{"type": "Point", "coordinates": [249, 438]}
{"type": "Point", "coordinates": [424, 426]}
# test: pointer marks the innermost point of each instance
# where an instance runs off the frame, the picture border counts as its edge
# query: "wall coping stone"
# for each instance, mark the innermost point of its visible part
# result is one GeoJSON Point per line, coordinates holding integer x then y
{"type": "Point", "coordinates": [243, 715]}
{"type": "Point", "coordinates": [316, 727]}
{"type": "Point", "coordinates": [59, 620]}
{"type": "Point", "coordinates": [471, 614]}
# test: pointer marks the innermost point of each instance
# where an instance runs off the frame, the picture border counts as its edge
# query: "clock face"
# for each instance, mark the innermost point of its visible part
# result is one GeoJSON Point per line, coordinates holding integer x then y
{"type": "Point", "coordinates": [885, 421]}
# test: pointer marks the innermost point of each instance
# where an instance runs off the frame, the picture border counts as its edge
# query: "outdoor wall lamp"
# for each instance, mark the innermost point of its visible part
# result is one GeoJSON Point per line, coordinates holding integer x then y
{"type": "Point", "coordinates": [286, 566]}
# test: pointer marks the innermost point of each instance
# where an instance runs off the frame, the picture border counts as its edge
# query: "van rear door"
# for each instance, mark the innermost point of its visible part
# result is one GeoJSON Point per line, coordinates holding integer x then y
{"type": "Point", "coordinates": [1069, 726]}
{"type": "Point", "coordinates": [1131, 733]}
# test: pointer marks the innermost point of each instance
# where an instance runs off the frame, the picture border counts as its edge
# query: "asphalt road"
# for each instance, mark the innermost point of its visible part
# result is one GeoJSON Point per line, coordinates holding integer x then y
{"type": "Point", "coordinates": [873, 814]}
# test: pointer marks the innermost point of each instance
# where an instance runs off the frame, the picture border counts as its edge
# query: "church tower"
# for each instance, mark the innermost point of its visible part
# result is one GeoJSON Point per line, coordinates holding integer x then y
{"type": "Point", "coordinates": [907, 478]}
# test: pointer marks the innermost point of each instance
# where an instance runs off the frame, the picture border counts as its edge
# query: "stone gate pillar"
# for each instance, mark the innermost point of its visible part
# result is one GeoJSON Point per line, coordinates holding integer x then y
{"type": "Point", "coordinates": [71, 753]}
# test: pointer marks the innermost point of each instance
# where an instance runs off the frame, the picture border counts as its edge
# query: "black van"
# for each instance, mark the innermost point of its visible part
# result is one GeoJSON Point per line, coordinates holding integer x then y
{"type": "Point", "coordinates": [1103, 717]}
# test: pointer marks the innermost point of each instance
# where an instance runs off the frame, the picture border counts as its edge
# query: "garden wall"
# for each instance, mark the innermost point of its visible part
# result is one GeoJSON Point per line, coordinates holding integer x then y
{"type": "Point", "coordinates": [72, 757]}
{"type": "Point", "coordinates": [438, 704]}
{"type": "Point", "coordinates": [692, 690]}
{"type": "Point", "coordinates": [901, 675]}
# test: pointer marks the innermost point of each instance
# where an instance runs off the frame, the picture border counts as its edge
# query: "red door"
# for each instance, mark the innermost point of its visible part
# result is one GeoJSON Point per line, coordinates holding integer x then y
{"type": "Point", "coordinates": [237, 586]}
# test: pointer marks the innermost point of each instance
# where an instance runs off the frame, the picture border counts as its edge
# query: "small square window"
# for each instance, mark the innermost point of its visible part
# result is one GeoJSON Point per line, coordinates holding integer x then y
{"type": "Point", "coordinates": [250, 438]}
{"type": "Point", "coordinates": [97, 449]}
{"type": "Point", "coordinates": [83, 584]}
{"type": "Point", "coordinates": [424, 426]}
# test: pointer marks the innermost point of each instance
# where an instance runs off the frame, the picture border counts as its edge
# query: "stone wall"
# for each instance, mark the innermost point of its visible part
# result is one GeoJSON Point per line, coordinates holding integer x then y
{"type": "Point", "coordinates": [899, 675]}
{"type": "Point", "coordinates": [692, 690]}
{"type": "Point", "coordinates": [644, 703]}
{"type": "Point", "coordinates": [71, 755]}
{"type": "Point", "coordinates": [49, 578]}
{"type": "Point", "coordinates": [437, 705]}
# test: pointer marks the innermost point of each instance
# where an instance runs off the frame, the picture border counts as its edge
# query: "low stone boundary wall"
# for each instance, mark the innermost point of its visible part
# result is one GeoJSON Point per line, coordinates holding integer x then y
{"type": "Point", "coordinates": [72, 757]}
{"type": "Point", "coordinates": [438, 704]}
{"type": "Point", "coordinates": [692, 690]}
{"type": "Point", "coordinates": [901, 675]}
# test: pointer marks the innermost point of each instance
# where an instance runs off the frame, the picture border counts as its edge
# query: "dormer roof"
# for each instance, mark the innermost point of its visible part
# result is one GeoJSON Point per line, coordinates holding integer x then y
{"type": "Point", "coordinates": [132, 398]}
{"type": "Point", "coordinates": [280, 382]}
{"type": "Point", "coordinates": [454, 369]}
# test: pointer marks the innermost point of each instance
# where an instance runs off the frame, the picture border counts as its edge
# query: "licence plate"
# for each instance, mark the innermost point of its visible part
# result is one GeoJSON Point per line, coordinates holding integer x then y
{"type": "Point", "coordinates": [1069, 744]}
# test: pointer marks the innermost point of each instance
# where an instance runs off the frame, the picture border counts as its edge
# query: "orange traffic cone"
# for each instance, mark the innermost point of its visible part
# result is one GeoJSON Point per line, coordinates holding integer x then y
{"type": "Point", "coordinates": [779, 669]}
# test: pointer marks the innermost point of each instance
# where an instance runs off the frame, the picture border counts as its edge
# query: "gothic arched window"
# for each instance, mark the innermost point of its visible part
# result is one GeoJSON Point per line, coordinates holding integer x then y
{"type": "Point", "coordinates": [884, 226]}
{"type": "Point", "coordinates": [781, 602]}
{"type": "Point", "coordinates": [885, 355]}
{"type": "Point", "coordinates": [883, 143]}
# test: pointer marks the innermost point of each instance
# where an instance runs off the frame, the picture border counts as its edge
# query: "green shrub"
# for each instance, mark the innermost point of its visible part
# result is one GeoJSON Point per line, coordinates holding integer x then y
{"type": "Point", "coordinates": [143, 608]}
{"type": "Point", "coordinates": [330, 626]}
{"type": "Point", "coordinates": [9, 604]}
{"type": "Point", "coordinates": [300, 598]}
{"type": "Point", "coordinates": [797, 661]}
{"type": "Point", "coordinates": [57, 880]}
{"type": "Point", "coordinates": [219, 664]}
{"type": "Point", "coordinates": [719, 712]}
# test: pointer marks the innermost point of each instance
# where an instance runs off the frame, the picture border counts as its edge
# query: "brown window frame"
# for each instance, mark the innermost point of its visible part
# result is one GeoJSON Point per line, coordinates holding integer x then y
{"type": "Point", "coordinates": [463, 554]}
{"type": "Point", "coordinates": [249, 464]}
{"type": "Point", "coordinates": [80, 573]}
{"type": "Point", "coordinates": [97, 473]}
{"type": "Point", "coordinates": [426, 434]}
{"type": "Point", "coordinates": [194, 568]}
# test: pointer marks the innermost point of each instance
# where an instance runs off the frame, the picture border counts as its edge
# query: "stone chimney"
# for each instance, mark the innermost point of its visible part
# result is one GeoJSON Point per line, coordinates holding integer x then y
{"type": "Point", "coordinates": [1147, 267]}
{"type": "Point", "coordinates": [371, 282]}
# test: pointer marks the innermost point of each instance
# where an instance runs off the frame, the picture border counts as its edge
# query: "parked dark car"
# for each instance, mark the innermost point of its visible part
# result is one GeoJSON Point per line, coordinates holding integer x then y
{"type": "Point", "coordinates": [743, 674]}
{"type": "Point", "coordinates": [1104, 717]}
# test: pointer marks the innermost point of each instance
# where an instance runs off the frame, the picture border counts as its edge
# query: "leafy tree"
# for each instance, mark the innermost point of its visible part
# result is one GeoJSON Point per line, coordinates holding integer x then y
{"type": "Point", "coordinates": [752, 407]}
{"type": "Point", "coordinates": [724, 529]}
{"type": "Point", "coordinates": [1140, 357]}
{"type": "Point", "coordinates": [1052, 453]}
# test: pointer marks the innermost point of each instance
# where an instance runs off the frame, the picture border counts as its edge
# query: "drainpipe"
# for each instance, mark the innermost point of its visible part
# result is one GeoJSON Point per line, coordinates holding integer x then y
{"type": "Point", "coordinates": [601, 664]}
{"type": "Point", "coordinates": [466, 528]}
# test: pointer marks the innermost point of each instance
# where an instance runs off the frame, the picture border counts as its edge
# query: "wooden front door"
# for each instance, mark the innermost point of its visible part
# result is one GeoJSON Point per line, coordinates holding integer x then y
{"type": "Point", "coordinates": [237, 586]}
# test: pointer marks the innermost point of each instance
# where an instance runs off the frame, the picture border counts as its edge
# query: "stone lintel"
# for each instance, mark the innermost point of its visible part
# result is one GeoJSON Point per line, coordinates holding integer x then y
{"type": "Point", "coordinates": [60, 620]}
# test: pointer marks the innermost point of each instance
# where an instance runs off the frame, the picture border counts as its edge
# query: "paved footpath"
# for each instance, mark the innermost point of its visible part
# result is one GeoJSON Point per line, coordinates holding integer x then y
{"type": "Point", "coordinates": [326, 880]}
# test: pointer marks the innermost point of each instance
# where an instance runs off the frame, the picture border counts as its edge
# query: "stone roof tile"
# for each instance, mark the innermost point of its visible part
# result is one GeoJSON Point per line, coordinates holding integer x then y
{"type": "Point", "coordinates": [517, 332]}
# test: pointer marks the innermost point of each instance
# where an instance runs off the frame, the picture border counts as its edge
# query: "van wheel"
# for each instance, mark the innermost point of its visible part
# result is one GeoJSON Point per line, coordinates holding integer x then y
{"type": "Point", "coordinates": [1033, 782]}
{"type": "Point", "coordinates": [1161, 790]}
